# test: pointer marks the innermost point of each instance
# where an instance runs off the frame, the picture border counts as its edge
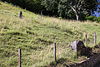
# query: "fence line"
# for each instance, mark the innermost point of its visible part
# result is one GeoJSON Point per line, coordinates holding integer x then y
{"type": "Point", "coordinates": [54, 49]}
{"type": "Point", "coordinates": [95, 38]}
{"type": "Point", "coordinates": [55, 52]}
{"type": "Point", "coordinates": [19, 58]}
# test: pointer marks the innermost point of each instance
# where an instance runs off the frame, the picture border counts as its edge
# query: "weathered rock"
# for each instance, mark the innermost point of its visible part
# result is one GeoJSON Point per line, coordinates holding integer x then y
{"type": "Point", "coordinates": [79, 47]}
{"type": "Point", "coordinates": [20, 14]}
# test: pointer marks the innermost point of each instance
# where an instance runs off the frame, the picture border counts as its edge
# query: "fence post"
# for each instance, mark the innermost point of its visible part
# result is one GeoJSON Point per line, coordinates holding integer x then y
{"type": "Point", "coordinates": [86, 37]}
{"type": "Point", "coordinates": [94, 38]}
{"type": "Point", "coordinates": [55, 52]}
{"type": "Point", "coordinates": [19, 58]}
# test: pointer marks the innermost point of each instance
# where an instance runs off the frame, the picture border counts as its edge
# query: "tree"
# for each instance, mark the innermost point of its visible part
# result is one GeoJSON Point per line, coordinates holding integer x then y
{"type": "Point", "coordinates": [72, 9]}
{"type": "Point", "coordinates": [50, 6]}
{"type": "Point", "coordinates": [76, 8]}
{"type": "Point", "coordinates": [32, 5]}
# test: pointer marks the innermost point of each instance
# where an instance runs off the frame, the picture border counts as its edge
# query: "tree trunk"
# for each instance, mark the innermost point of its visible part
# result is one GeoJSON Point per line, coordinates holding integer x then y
{"type": "Point", "coordinates": [77, 16]}
{"type": "Point", "coordinates": [76, 13]}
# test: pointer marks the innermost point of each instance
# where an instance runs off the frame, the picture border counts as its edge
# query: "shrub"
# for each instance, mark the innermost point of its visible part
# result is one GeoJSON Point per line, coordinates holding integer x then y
{"type": "Point", "coordinates": [32, 5]}
{"type": "Point", "coordinates": [98, 19]}
{"type": "Point", "coordinates": [93, 18]}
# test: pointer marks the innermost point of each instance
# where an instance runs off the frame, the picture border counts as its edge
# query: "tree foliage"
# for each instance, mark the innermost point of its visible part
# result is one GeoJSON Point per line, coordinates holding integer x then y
{"type": "Point", "coordinates": [75, 9]}
{"type": "Point", "coordinates": [70, 9]}
{"type": "Point", "coordinates": [32, 5]}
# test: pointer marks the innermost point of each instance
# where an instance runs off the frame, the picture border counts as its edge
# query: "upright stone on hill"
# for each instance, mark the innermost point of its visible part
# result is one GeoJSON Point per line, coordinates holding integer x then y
{"type": "Point", "coordinates": [79, 47]}
{"type": "Point", "coordinates": [20, 14]}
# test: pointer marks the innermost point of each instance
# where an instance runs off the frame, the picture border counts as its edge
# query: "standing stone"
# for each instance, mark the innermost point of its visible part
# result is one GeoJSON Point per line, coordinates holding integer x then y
{"type": "Point", "coordinates": [78, 46]}
{"type": "Point", "coordinates": [20, 14]}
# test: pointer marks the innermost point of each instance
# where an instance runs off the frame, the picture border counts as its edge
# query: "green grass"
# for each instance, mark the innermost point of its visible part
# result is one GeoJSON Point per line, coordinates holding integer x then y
{"type": "Point", "coordinates": [34, 34]}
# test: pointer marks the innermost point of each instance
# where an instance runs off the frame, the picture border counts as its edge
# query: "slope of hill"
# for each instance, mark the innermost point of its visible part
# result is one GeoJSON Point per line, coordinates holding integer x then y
{"type": "Point", "coordinates": [34, 34]}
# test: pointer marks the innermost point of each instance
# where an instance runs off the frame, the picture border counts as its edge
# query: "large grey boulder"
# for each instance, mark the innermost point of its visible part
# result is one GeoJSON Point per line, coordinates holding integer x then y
{"type": "Point", "coordinates": [77, 45]}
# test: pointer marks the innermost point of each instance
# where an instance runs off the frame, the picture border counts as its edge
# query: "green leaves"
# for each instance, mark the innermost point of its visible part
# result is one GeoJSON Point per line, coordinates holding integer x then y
{"type": "Point", "coordinates": [70, 9]}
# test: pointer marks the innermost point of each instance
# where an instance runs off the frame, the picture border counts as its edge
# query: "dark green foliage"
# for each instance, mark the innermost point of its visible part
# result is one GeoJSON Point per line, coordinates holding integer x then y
{"type": "Point", "coordinates": [70, 9]}
{"type": "Point", "coordinates": [51, 6]}
{"type": "Point", "coordinates": [93, 18]}
{"type": "Point", "coordinates": [32, 5]}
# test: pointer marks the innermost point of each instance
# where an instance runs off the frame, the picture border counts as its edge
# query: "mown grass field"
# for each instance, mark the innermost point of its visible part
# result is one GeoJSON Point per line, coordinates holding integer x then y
{"type": "Point", "coordinates": [34, 34]}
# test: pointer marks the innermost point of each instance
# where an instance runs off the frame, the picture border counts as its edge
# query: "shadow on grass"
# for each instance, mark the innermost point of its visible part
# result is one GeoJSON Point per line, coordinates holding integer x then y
{"type": "Point", "coordinates": [58, 62]}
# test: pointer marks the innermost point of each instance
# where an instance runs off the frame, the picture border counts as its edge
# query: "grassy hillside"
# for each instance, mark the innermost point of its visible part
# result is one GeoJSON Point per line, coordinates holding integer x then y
{"type": "Point", "coordinates": [34, 34]}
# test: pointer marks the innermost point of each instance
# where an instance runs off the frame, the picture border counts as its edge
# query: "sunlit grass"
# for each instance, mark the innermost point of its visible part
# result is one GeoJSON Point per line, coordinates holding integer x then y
{"type": "Point", "coordinates": [34, 34]}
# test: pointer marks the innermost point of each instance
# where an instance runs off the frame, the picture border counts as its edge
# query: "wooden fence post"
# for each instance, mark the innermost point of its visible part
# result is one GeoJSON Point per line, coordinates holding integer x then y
{"type": "Point", "coordinates": [55, 52]}
{"type": "Point", "coordinates": [86, 37]}
{"type": "Point", "coordinates": [94, 38]}
{"type": "Point", "coordinates": [19, 58]}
